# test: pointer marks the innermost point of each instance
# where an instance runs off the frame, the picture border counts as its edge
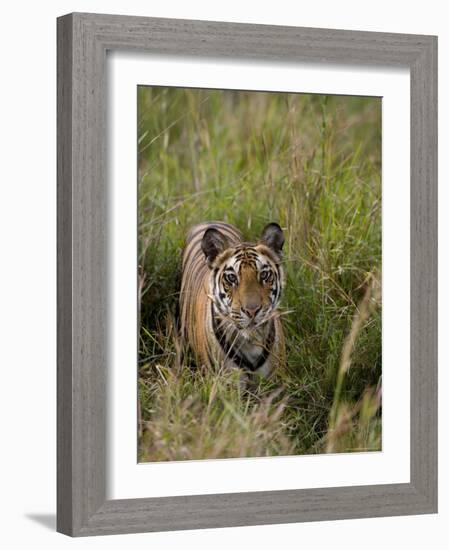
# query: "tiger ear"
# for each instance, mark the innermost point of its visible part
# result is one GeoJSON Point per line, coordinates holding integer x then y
{"type": "Point", "coordinates": [213, 244]}
{"type": "Point", "coordinates": [273, 237]}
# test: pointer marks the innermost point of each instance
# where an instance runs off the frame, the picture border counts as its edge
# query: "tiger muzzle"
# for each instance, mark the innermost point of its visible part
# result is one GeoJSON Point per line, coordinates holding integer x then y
{"type": "Point", "coordinates": [251, 309]}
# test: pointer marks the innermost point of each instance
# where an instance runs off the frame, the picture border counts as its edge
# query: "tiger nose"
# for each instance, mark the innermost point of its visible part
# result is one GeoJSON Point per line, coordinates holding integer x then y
{"type": "Point", "coordinates": [252, 309]}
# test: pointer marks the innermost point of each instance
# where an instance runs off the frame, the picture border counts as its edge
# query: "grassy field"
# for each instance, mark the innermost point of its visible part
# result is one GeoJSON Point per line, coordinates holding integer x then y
{"type": "Point", "coordinates": [312, 163]}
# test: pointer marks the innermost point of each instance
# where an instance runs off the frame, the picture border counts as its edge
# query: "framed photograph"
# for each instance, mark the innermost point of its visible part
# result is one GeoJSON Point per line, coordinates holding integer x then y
{"type": "Point", "coordinates": [247, 274]}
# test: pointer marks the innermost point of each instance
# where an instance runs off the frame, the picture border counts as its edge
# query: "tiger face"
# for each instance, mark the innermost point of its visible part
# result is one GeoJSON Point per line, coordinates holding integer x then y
{"type": "Point", "coordinates": [246, 280]}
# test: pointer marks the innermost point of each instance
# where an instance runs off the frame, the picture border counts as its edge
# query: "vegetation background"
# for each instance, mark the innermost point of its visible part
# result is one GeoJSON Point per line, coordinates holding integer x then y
{"type": "Point", "coordinates": [312, 163]}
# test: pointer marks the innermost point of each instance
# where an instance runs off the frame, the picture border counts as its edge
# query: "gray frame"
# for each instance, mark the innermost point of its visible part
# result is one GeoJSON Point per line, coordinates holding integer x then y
{"type": "Point", "coordinates": [83, 40]}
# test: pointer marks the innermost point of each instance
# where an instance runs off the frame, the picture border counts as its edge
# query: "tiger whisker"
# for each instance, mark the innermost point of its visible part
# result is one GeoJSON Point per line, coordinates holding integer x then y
{"type": "Point", "coordinates": [273, 315]}
{"type": "Point", "coordinates": [286, 312]}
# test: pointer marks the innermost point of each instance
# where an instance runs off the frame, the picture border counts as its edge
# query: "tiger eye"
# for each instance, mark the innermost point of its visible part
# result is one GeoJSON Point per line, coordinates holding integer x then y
{"type": "Point", "coordinates": [231, 278]}
{"type": "Point", "coordinates": [265, 275]}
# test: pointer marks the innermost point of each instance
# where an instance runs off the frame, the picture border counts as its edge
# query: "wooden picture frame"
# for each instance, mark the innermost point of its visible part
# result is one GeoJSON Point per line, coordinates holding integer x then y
{"type": "Point", "coordinates": [83, 40]}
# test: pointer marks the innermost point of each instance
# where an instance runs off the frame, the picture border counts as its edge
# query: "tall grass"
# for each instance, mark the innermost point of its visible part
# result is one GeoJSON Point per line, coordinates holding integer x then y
{"type": "Point", "coordinates": [312, 164]}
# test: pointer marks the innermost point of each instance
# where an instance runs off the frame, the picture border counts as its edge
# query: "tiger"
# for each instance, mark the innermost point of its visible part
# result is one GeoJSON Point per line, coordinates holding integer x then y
{"type": "Point", "coordinates": [229, 297]}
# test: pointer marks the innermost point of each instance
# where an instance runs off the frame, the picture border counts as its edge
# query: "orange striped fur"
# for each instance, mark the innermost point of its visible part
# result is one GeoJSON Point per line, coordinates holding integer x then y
{"type": "Point", "coordinates": [230, 293]}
